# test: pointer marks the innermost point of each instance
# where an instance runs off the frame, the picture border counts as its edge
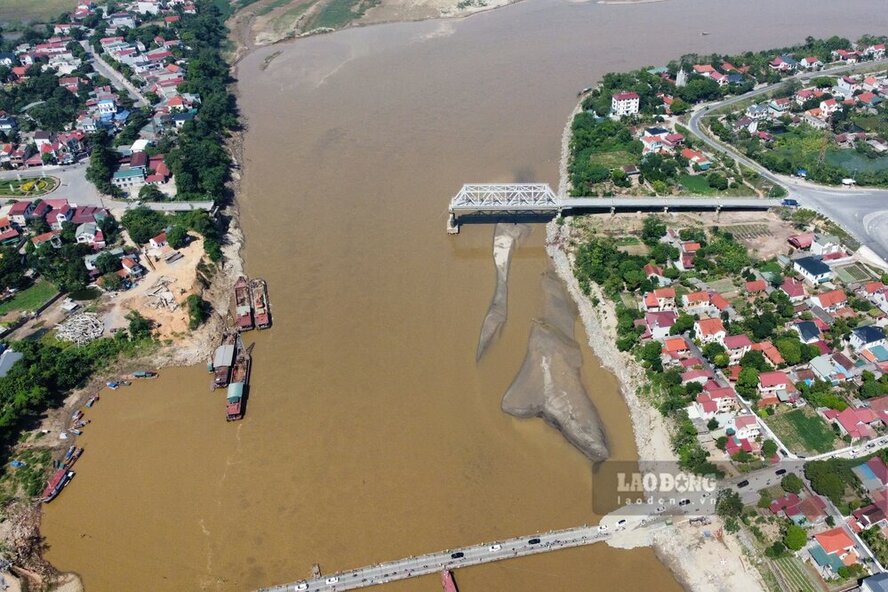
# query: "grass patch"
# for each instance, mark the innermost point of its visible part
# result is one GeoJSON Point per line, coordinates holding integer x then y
{"type": "Point", "coordinates": [85, 294]}
{"type": "Point", "coordinates": [289, 17]}
{"type": "Point", "coordinates": [338, 13]}
{"type": "Point", "coordinates": [266, 8]}
{"type": "Point", "coordinates": [696, 184]}
{"type": "Point", "coordinates": [28, 187]}
{"type": "Point", "coordinates": [802, 430]}
{"type": "Point", "coordinates": [614, 159]}
{"type": "Point", "coordinates": [34, 10]}
{"type": "Point", "coordinates": [625, 241]}
{"type": "Point", "coordinates": [29, 299]}
{"type": "Point", "coordinates": [29, 480]}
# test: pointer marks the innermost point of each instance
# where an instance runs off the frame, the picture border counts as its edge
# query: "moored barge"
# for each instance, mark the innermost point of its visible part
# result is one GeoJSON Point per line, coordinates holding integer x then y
{"type": "Point", "coordinates": [56, 483]}
{"type": "Point", "coordinates": [243, 306]}
{"type": "Point", "coordinates": [261, 309]}
{"type": "Point", "coordinates": [223, 360]}
{"type": "Point", "coordinates": [239, 382]}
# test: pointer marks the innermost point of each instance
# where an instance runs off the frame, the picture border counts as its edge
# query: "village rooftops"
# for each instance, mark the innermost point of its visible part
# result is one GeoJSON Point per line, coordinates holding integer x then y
{"type": "Point", "coordinates": [711, 326]}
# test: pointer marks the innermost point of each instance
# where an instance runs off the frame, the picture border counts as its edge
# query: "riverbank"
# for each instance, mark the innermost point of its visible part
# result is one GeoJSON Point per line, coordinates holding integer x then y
{"type": "Point", "coordinates": [682, 548]}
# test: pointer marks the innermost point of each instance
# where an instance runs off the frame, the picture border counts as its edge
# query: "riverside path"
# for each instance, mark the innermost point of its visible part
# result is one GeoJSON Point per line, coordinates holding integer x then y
{"type": "Point", "coordinates": [421, 565]}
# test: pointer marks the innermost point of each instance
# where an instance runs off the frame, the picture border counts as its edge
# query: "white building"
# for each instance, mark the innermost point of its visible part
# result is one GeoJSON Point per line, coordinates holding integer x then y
{"type": "Point", "coordinates": [625, 103]}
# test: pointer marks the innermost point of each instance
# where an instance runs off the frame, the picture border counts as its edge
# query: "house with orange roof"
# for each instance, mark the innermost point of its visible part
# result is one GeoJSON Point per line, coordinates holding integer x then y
{"type": "Point", "coordinates": [772, 382]}
{"type": "Point", "coordinates": [710, 330]}
{"type": "Point", "coordinates": [659, 300]}
{"type": "Point", "coordinates": [829, 301]}
{"type": "Point", "coordinates": [756, 286]}
{"type": "Point", "coordinates": [771, 353]}
{"type": "Point", "coordinates": [833, 549]}
{"type": "Point", "coordinates": [719, 302]}
{"type": "Point", "coordinates": [675, 345]}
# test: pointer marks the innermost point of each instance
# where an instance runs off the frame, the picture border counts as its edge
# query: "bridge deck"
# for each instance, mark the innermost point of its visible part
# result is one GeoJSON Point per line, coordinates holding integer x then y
{"type": "Point", "coordinates": [623, 203]}
{"type": "Point", "coordinates": [432, 563]}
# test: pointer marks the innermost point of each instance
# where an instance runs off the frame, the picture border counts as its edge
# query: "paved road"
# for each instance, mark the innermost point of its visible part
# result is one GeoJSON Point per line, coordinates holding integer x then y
{"type": "Point", "coordinates": [116, 78]}
{"type": "Point", "coordinates": [77, 190]}
{"type": "Point", "coordinates": [862, 212]}
{"type": "Point", "coordinates": [626, 203]}
{"type": "Point", "coordinates": [455, 558]}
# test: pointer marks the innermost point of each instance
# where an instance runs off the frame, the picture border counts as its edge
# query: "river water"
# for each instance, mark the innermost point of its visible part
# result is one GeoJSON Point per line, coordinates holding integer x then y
{"type": "Point", "coordinates": [371, 432]}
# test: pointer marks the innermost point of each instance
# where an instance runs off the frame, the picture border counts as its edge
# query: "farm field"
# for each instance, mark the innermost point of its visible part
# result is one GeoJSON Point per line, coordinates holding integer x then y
{"type": "Point", "coordinates": [12, 11]}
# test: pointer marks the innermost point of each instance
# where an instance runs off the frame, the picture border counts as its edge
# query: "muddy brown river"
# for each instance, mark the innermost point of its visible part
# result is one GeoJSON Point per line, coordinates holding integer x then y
{"type": "Point", "coordinates": [371, 433]}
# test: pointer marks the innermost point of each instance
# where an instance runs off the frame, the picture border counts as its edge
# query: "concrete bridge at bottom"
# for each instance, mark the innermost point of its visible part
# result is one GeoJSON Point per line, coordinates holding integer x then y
{"type": "Point", "coordinates": [421, 565]}
{"type": "Point", "coordinates": [502, 201]}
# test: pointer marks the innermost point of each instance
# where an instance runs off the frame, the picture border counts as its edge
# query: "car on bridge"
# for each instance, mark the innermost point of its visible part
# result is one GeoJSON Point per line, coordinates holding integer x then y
{"type": "Point", "coordinates": [331, 580]}
{"type": "Point", "coordinates": [492, 548]}
{"type": "Point", "coordinates": [533, 542]}
{"type": "Point", "coordinates": [457, 555]}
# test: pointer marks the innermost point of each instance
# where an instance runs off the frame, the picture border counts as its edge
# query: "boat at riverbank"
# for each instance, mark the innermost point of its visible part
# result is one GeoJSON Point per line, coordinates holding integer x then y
{"type": "Point", "coordinates": [243, 306]}
{"type": "Point", "coordinates": [261, 309]}
{"type": "Point", "coordinates": [56, 483]}
{"type": "Point", "coordinates": [237, 387]}
{"type": "Point", "coordinates": [223, 359]}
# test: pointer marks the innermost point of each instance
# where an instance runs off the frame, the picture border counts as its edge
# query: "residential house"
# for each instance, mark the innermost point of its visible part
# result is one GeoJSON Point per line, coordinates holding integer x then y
{"type": "Point", "coordinates": [783, 63]}
{"type": "Point", "coordinates": [867, 337]}
{"type": "Point", "coordinates": [825, 368]}
{"type": "Point", "coordinates": [869, 516]}
{"type": "Point", "coordinates": [758, 112]}
{"type": "Point", "coordinates": [625, 103]}
{"type": "Point", "coordinates": [696, 303]}
{"type": "Point", "coordinates": [696, 158]}
{"type": "Point", "coordinates": [856, 423]}
{"type": "Point", "coordinates": [810, 63]}
{"type": "Point", "coordinates": [829, 106]}
{"type": "Point", "coordinates": [845, 55]}
{"type": "Point", "coordinates": [737, 346]}
{"type": "Point", "coordinates": [745, 427]}
{"type": "Point", "coordinates": [756, 287]}
{"type": "Point", "coordinates": [52, 238]}
{"type": "Point", "coordinates": [128, 178]}
{"type": "Point", "coordinates": [875, 583]}
{"type": "Point", "coordinates": [808, 331]}
{"type": "Point", "coordinates": [794, 289]}
{"type": "Point", "coordinates": [655, 274]}
{"type": "Point", "coordinates": [20, 212]}
{"type": "Point", "coordinates": [876, 52]}
{"type": "Point", "coordinates": [848, 85]}
{"type": "Point", "coordinates": [873, 474]}
{"type": "Point", "coordinates": [812, 269]}
{"type": "Point", "coordinates": [657, 324]}
{"type": "Point", "coordinates": [771, 353]}
{"type": "Point", "coordinates": [158, 241]}
{"type": "Point", "coordinates": [710, 330]}
{"type": "Point", "coordinates": [8, 233]}
{"type": "Point", "coordinates": [824, 244]}
{"type": "Point", "coordinates": [833, 549]}
{"type": "Point", "coordinates": [780, 106]}
{"type": "Point", "coordinates": [772, 382]}
{"type": "Point", "coordinates": [830, 301]}
{"type": "Point", "coordinates": [801, 241]}
{"type": "Point", "coordinates": [90, 234]}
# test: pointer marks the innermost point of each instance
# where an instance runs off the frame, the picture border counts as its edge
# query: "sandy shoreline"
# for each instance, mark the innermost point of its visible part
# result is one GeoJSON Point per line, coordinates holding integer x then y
{"type": "Point", "coordinates": [698, 564]}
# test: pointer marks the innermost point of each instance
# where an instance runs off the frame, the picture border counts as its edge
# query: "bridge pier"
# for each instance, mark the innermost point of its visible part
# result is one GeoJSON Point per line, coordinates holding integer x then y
{"type": "Point", "coordinates": [452, 224]}
{"type": "Point", "coordinates": [718, 210]}
{"type": "Point", "coordinates": [665, 209]}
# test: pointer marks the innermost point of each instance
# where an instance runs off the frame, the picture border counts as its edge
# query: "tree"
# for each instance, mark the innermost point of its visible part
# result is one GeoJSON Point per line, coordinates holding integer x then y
{"type": "Point", "coordinates": [111, 281]}
{"type": "Point", "coordinates": [678, 106]}
{"type": "Point", "coordinates": [139, 326]}
{"type": "Point", "coordinates": [795, 537]}
{"type": "Point", "coordinates": [107, 263]}
{"type": "Point", "coordinates": [754, 359]}
{"type": "Point", "coordinates": [683, 323]}
{"type": "Point", "coordinates": [769, 448]}
{"type": "Point", "coordinates": [177, 237]}
{"type": "Point", "coordinates": [712, 424]}
{"type": "Point", "coordinates": [791, 483]}
{"type": "Point", "coordinates": [652, 230]}
{"type": "Point", "coordinates": [142, 224]}
{"type": "Point", "coordinates": [765, 499]}
{"type": "Point", "coordinates": [151, 193]}
{"type": "Point", "coordinates": [776, 550]}
{"type": "Point", "coordinates": [728, 504]}
{"type": "Point", "coordinates": [102, 162]}
{"type": "Point", "coordinates": [747, 383]}
{"type": "Point", "coordinates": [717, 181]}
{"type": "Point", "coordinates": [198, 311]}
{"type": "Point", "coordinates": [790, 348]}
